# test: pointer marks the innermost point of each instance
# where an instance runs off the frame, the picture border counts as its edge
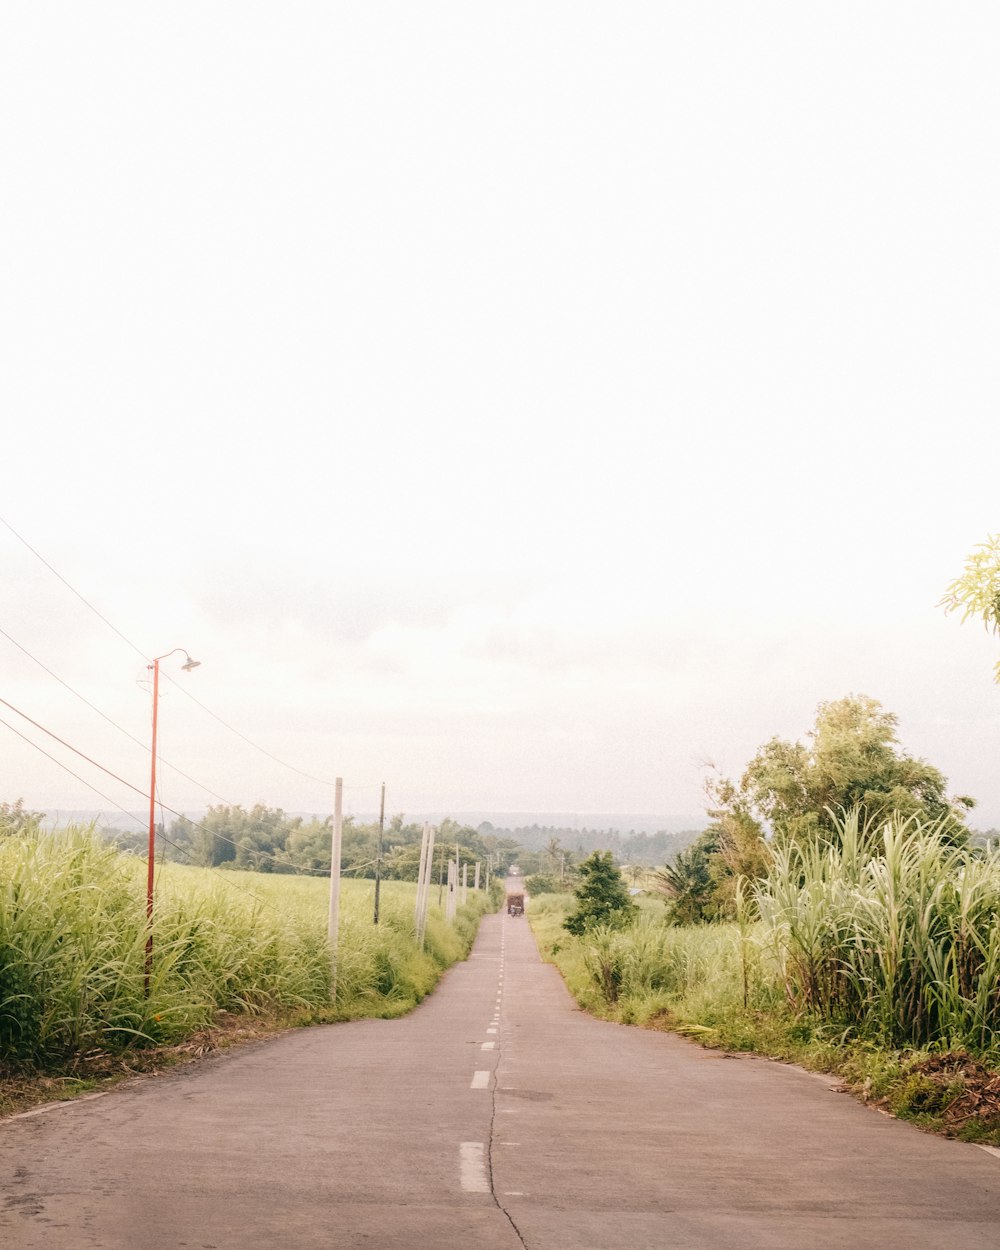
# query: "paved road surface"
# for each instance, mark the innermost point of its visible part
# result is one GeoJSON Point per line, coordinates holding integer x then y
{"type": "Point", "coordinates": [495, 1116]}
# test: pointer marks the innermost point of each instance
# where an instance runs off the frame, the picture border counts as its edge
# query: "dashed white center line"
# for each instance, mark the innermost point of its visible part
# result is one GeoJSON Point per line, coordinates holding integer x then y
{"type": "Point", "coordinates": [488, 1046]}
{"type": "Point", "coordinates": [480, 1080]}
{"type": "Point", "coordinates": [472, 1167]}
{"type": "Point", "coordinates": [491, 1030]}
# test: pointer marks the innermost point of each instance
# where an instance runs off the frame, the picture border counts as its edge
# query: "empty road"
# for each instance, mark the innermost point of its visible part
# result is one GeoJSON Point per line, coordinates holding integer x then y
{"type": "Point", "coordinates": [495, 1116]}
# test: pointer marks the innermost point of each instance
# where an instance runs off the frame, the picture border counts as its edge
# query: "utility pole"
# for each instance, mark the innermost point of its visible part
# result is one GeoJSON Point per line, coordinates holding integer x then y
{"type": "Point", "coordinates": [422, 928]}
{"type": "Point", "coordinates": [378, 852]}
{"type": "Point", "coordinates": [476, 886]}
{"type": "Point", "coordinates": [465, 884]}
{"type": "Point", "coordinates": [452, 886]}
{"type": "Point", "coordinates": [333, 925]}
{"type": "Point", "coordinates": [421, 883]}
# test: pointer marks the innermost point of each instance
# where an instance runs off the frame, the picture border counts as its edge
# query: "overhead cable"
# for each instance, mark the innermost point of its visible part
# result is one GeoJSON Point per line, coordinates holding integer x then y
{"type": "Point", "coordinates": [121, 729]}
{"type": "Point", "coordinates": [138, 650]}
{"type": "Point", "coordinates": [145, 794]}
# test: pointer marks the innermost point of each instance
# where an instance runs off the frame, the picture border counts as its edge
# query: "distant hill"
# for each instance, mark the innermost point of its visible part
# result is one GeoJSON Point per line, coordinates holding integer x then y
{"type": "Point", "coordinates": [572, 821]}
{"type": "Point", "coordinates": [613, 821]}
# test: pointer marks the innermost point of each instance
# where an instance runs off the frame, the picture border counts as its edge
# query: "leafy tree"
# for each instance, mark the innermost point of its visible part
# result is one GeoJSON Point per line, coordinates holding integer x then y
{"type": "Point", "coordinates": [542, 883]}
{"type": "Point", "coordinates": [852, 758]}
{"type": "Point", "coordinates": [977, 591]}
{"type": "Point", "coordinates": [308, 845]}
{"type": "Point", "coordinates": [601, 896]}
{"type": "Point", "coordinates": [689, 884]}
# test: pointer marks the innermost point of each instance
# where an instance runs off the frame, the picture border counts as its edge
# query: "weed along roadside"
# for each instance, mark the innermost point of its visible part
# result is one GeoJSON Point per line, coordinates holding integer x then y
{"type": "Point", "coordinates": [875, 958]}
{"type": "Point", "coordinates": [239, 955]}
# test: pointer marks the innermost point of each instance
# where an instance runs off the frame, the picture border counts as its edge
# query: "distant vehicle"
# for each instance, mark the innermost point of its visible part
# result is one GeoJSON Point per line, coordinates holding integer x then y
{"type": "Point", "coordinates": [514, 870]}
{"type": "Point", "coordinates": [515, 904]}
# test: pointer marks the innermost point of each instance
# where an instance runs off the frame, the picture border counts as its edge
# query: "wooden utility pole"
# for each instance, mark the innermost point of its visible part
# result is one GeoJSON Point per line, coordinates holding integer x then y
{"type": "Point", "coordinates": [333, 925]}
{"type": "Point", "coordinates": [378, 852]}
{"type": "Point", "coordinates": [452, 887]}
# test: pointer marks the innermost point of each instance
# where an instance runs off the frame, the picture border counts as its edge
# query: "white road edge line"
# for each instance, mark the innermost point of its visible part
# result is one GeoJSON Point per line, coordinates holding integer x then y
{"type": "Point", "coordinates": [56, 1106]}
{"type": "Point", "coordinates": [472, 1167]}
{"type": "Point", "coordinates": [480, 1080]}
{"type": "Point", "coordinates": [990, 1150]}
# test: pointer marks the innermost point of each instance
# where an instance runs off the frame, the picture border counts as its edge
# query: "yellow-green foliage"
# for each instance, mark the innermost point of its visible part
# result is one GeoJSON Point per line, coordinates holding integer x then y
{"type": "Point", "coordinates": [888, 935]}
{"type": "Point", "coordinates": [638, 973]}
{"type": "Point", "coordinates": [73, 934]}
{"type": "Point", "coordinates": [894, 933]}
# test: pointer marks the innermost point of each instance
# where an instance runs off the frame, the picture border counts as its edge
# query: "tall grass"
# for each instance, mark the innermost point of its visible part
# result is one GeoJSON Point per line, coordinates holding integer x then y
{"type": "Point", "coordinates": [73, 934]}
{"type": "Point", "coordinates": [638, 973]}
{"type": "Point", "coordinates": [889, 935]}
{"type": "Point", "coordinates": [893, 934]}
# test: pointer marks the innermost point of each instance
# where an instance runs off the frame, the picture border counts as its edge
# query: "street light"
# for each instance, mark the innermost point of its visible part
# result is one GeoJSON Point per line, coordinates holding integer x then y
{"type": "Point", "coordinates": [186, 667]}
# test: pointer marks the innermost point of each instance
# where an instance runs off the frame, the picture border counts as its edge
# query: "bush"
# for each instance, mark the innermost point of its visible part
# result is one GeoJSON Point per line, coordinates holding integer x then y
{"type": "Point", "coordinates": [602, 897]}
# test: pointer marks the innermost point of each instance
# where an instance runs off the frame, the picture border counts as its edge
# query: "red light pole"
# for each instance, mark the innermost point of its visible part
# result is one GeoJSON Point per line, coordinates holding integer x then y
{"type": "Point", "coordinates": [151, 853]}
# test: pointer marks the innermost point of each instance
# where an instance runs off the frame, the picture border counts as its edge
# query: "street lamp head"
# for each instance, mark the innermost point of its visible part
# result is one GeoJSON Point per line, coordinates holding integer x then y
{"type": "Point", "coordinates": [190, 664]}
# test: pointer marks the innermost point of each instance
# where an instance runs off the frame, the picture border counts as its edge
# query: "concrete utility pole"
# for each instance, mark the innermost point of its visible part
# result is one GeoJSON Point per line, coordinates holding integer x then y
{"type": "Point", "coordinates": [418, 910]}
{"type": "Point", "coordinates": [476, 886]}
{"type": "Point", "coordinates": [333, 926]}
{"type": "Point", "coordinates": [378, 853]}
{"type": "Point", "coordinates": [427, 886]}
{"type": "Point", "coordinates": [465, 884]}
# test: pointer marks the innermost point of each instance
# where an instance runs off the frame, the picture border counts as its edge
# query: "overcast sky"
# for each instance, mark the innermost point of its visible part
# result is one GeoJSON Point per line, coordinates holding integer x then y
{"type": "Point", "coordinates": [520, 403]}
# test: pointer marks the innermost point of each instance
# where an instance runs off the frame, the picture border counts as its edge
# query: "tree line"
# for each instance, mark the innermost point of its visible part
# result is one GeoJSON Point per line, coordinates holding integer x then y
{"type": "Point", "coordinates": [799, 793]}
{"type": "Point", "coordinates": [267, 839]}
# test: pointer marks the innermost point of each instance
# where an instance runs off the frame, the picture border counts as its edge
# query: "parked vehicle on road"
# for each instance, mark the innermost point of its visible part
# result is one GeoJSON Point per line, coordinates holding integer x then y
{"type": "Point", "coordinates": [515, 904]}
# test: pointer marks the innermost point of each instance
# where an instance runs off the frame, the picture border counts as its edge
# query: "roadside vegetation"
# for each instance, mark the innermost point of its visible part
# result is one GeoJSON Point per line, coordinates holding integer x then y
{"type": "Point", "coordinates": [269, 840]}
{"type": "Point", "coordinates": [860, 939]}
{"type": "Point", "coordinates": [227, 947]}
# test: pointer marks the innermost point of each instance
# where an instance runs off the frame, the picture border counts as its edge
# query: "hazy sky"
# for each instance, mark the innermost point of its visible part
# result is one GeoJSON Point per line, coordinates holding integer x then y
{"type": "Point", "coordinates": [521, 403]}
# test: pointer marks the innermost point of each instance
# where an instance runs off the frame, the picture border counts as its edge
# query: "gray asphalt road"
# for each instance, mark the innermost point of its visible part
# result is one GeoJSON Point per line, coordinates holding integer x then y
{"type": "Point", "coordinates": [495, 1116]}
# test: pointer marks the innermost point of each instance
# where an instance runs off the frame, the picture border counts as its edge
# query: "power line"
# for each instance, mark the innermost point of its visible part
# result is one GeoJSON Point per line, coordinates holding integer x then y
{"type": "Point", "coordinates": [138, 650]}
{"type": "Point", "coordinates": [324, 781]}
{"type": "Point", "coordinates": [163, 806]}
{"type": "Point", "coordinates": [65, 768]}
{"type": "Point", "coordinates": [87, 602]}
{"type": "Point", "coordinates": [75, 750]}
{"type": "Point", "coordinates": [263, 902]}
{"type": "Point", "coordinates": [121, 729]}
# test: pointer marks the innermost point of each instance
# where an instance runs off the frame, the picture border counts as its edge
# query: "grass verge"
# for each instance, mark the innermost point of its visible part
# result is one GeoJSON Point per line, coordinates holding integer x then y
{"type": "Point", "coordinates": [705, 983]}
{"type": "Point", "coordinates": [236, 956]}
